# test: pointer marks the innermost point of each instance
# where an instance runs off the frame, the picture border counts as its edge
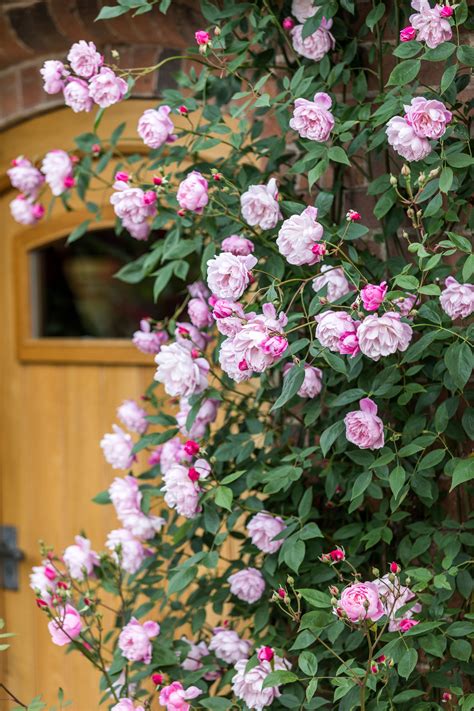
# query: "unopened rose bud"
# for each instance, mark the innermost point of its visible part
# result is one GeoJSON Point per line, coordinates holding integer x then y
{"type": "Point", "coordinates": [95, 149]}
{"type": "Point", "coordinates": [288, 23]}
{"type": "Point", "coordinates": [122, 177]}
{"type": "Point", "coordinates": [157, 679]}
{"type": "Point", "coordinates": [69, 182]}
{"type": "Point", "coordinates": [374, 669]}
{"type": "Point", "coordinates": [191, 447]}
{"type": "Point", "coordinates": [265, 654]}
{"type": "Point", "coordinates": [181, 213]}
{"type": "Point", "coordinates": [433, 173]}
{"type": "Point", "coordinates": [217, 31]}
{"type": "Point", "coordinates": [281, 592]}
{"type": "Point", "coordinates": [62, 585]}
{"type": "Point", "coordinates": [405, 170]}
{"type": "Point", "coordinates": [408, 581]}
{"type": "Point", "coordinates": [115, 54]}
{"type": "Point", "coordinates": [407, 34]}
{"type": "Point", "coordinates": [202, 38]}
{"type": "Point", "coordinates": [290, 580]}
{"type": "Point", "coordinates": [217, 177]}
{"type": "Point", "coordinates": [193, 474]}
{"type": "Point", "coordinates": [50, 573]}
{"type": "Point", "coordinates": [183, 110]}
{"type": "Point", "coordinates": [337, 555]}
{"type": "Point", "coordinates": [393, 180]}
{"type": "Point", "coordinates": [157, 180]}
{"type": "Point", "coordinates": [394, 567]}
{"type": "Point", "coordinates": [446, 11]}
{"type": "Point", "coordinates": [333, 590]}
{"type": "Point", "coordinates": [381, 659]}
{"type": "Point", "coordinates": [353, 216]}
{"type": "Point", "coordinates": [41, 603]}
{"type": "Point", "coordinates": [195, 353]}
{"type": "Point", "coordinates": [410, 213]}
{"type": "Point", "coordinates": [446, 697]}
{"type": "Point", "coordinates": [376, 572]}
{"type": "Point", "coordinates": [334, 601]}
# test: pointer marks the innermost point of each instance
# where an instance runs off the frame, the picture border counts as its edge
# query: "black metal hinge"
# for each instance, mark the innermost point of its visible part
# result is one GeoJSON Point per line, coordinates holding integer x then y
{"type": "Point", "coordinates": [10, 556]}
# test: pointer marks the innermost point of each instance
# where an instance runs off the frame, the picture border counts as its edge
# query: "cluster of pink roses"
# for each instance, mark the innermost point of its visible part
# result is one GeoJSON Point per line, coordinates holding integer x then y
{"type": "Point", "coordinates": [428, 24]}
{"type": "Point", "coordinates": [424, 119]}
{"type": "Point", "coordinates": [147, 339]}
{"type": "Point", "coordinates": [84, 81]}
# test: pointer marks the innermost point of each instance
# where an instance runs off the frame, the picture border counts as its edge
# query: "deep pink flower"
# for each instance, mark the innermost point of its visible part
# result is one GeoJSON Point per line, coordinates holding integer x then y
{"type": "Point", "coordinates": [361, 601]}
{"type": "Point", "coordinates": [373, 295]}
{"type": "Point", "coordinates": [265, 654]}
{"type": "Point", "coordinates": [394, 568]}
{"type": "Point", "coordinates": [407, 34]}
{"type": "Point", "coordinates": [353, 216]}
{"type": "Point", "coordinates": [288, 23]}
{"type": "Point", "coordinates": [446, 11]}
{"type": "Point", "coordinates": [157, 679]}
{"type": "Point", "coordinates": [337, 555]}
{"type": "Point", "coordinates": [175, 698]}
{"type": "Point", "coordinates": [406, 624]}
{"type": "Point", "coordinates": [202, 37]}
{"type": "Point", "coordinates": [191, 447]}
{"type": "Point", "coordinates": [349, 344]}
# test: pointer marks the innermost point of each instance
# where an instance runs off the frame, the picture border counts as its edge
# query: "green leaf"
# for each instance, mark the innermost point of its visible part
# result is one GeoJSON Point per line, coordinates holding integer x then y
{"type": "Point", "coordinates": [361, 484]}
{"type": "Point", "coordinates": [102, 498]}
{"type": "Point", "coordinates": [181, 580]}
{"type": "Point", "coordinates": [375, 15]}
{"type": "Point", "coordinates": [78, 231]}
{"type": "Point", "coordinates": [448, 77]}
{"type": "Point", "coordinates": [276, 678]}
{"type": "Point", "coordinates": [440, 53]}
{"type": "Point", "coordinates": [215, 703]}
{"type": "Point", "coordinates": [463, 471]}
{"type": "Point", "coordinates": [154, 439]}
{"type": "Point", "coordinates": [397, 480]}
{"type": "Point", "coordinates": [308, 663]}
{"type": "Point", "coordinates": [110, 11]}
{"type": "Point", "coordinates": [461, 649]}
{"type": "Point", "coordinates": [446, 179]}
{"type": "Point", "coordinates": [460, 160]}
{"type": "Point", "coordinates": [330, 435]}
{"type": "Point", "coordinates": [407, 663]}
{"type": "Point", "coordinates": [465, 54]}
{"type": "Point", "coordinates": [291, 384]}
{"type": "Point", "coordinates": [338, 155]}
{"type": "Point", "coordinates": [459, 361]}
{"type": "Point", "coordinates": [316, 598]}
{"type": "Point", "coordinates": [348, 396]}
{"type": "Point", "coordinates": [407, 49]}
{"type": "Point", "coordinates": [432, 459]}
{"type": "Point", "coordinates": [404, 72]}
{"type": "Point", "coordinates": [224, 497]}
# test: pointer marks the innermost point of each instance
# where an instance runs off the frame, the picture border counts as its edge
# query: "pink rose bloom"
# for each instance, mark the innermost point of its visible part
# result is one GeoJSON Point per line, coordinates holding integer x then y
{"type": "Point", "coordinates": [233, 363]}
{"type": "Point", "coordinates": [228, 646]}
{"type": "Point", "coordinates": [406, 624]}
{"type": "Point", "coordinates": [84, 59]}
{"type": "Point", "coordinates": [25, 177]}
{"type": "Point", "coordinates": [148, 341]}
{"type": "Point", "coordinates": [394, 596]}
{"type": "Point", "coordinates": [363, 427]}
{"type": "Point", "coordinates": [457, 300]}
{"type": "Point", "coordinates": [317, 45]}
{"type": "Point", "coordinates": [405, 303]}
{"type": "Point", "coordinates": [228, 276]}
{"type": "Point", "coordinates": [297, 237]}
{"type": "Point", "coordinates": [172, 452]}
{"type": "Point", "coordinates": [198, 290]}
{"type": "Point", "coordinates": [175, 698]}
{"type": "Point", "coordinates": [181, 493]}
{"type": "Point", "coordinates": [259, 205]}
{"type": "Point", "coordinates": [53, 73]}
{"type": "Point", "coordinates": [139, 230]}
{"type": "Point", "coordinates": [229, 316]}
{"type": "Point", "coordinates": [66, 626]}
{"type": "Point", "coordinates": [142, 526]}
{"type": "Point", "coordinates": [207, 414]}
{"type": "Point", "coordinates": [431, 26]}
{"type": "Point", "coordinates": [133, 416]}
{"type": "Point", "coordinates": [117, 448]}
{"type": "Point", "coordinates": [372, 295]}
{"type": "Point", "coordinates": [190, 336]}
{"type": "Point", "coordinates": [131, 204]}
{"type": "Point", "coordinates": [303, 10]}
{"type": "Point", "coordinates": [181, 373]}
{"type": "Point", "coordinates": [260, 341]}
{"type": "Point", "coordinates": [361, 601]}
{"type": "Point", "coordinates": [383, 335]}
{"type": "Point", "coordinates": [192, 661]}
{"type": "Point", "coordinates": [313, 380]}
{"type": "Point", "coordinates": [404, 141]}
{"type": "Point", "coordinates": [106, 88]}
{"type": "Point", "coordinates": [43, 581]}
{"type": "Point", "coordinates": [238, 245]}
{"type": "Point", "coordinates": [24, 211]}
{"type": "Point", "coordinates": [349, 344]}
{"type": "Point", "coordinates": [80, 559]}
{"type": "Point", "coordinates": [192, 192]}
{"type": "Point", "coordinates": [248, 685]}
{"type": "Point", "coordinates": [274, 346]}
{"type": "Point", "coordinates": [427, 117]}
{"type": "Point", "coordinates": [155, 128]}
{"type": "Point", "coordinates": [331, 326]}
{"type": "Point", "coordinates": [126, 550]}
{"type": "Point", "coordinates": [126, 705]}
{"type": "Point", "coordinates": [407, 34]}
{"type": "Point", "coordinates": [199, 313]}
{"type": "Point", "coordinates": [76, 95]}
{"type": "Point", "coordinates": [134, 640]}
{"type": "Point", "coordinates": [247, 584]}
{"type": "Point", "coordinates": [57, 169]}
{"type": "Point", "coordinates": [334, 279]}
{"type": "Point", "coordinates": [262, 529]}
{"type": "Point", "coordinates": [202, 37]}
{"type": "Point", "coordinates": [125, 495]}
{"type": "Point", "coordinates": [313, 119]}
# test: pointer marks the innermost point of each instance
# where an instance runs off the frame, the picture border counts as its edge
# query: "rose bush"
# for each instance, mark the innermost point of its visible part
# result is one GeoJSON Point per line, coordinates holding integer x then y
{"type": "Point", "coordinates": [323, 421]}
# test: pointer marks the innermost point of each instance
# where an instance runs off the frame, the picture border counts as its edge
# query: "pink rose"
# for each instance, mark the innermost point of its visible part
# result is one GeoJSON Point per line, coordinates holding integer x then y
{"type": "Point", "coordinates": [405, 303]}
{"type": "Point", "coordinates": [133, 416]}
{"type": "Point", "coordinates": [66, 626]}
{"type": "Point", "coordinates": [259, 342]}
{"type": "Point", "coordinates": [126, 705]}
{"type": "Point", "coordinates": [315, 46]}
{"type": "Point", "coordinates": [274, 346]}
{"type": "Point", "coordinates": [24, 211]}
{"type": "Point", "coordinates": [57, 169]}
{"type": "Point", "coordinates": [84, 59]}
{"type": "Point", "coordinates": [192, 662]}
{"type": "Point", "coordinates": [240, 246]}
{"type": "Point", "coordinates": [313, 119]}
{"type": "Point", "coordinates": [25, 177]}
{"type": "Point", "coordinates": [228, 646]}
{"type": "Point", "coordinates": [297, 237]}
{"type": "Point", "coordinates": [373, 295]}
{"type": "Point", "coordinates": [335, 281]}
{"type": "Point", "coordinates": [172, 452]}
{"type": "Point", "coordinates": [233, 363]}
{"type": "Point", "coordinates": [394, 596]}
{"type": "Point", "coordinates": [125, 495]}
{"type": "Point", "coordinates": [43, 580]}
{"type": "Point", "coordinates": [259, 205]}
{"type": "Point", "coordinates": [430, 24]}
{"type": "Point", "coordinates": [139, 230]}
{"type": "Point", "coordinates": [76, 95]}
{"type": "Point", "coordinates": [181, 493]}
{"type": "Point", "coordinates": [106, 88]}
{"type": "Point", "coordinates": [262, 529]}
{"type": "Point", "coordinates": [383, 335]}
{"type": "Point", "coordinates": [148, 341]}
{"type": "Point", "coordinates": [361, 601]}
{"type": "Point", "coordinates": [127, 551]}
{"type": "Point", "coordinates": [155, 128]}
{"type": "Point", "coordinates": [349, 344]}
{"type": "Point", "coordinates": [363, 427]}
{"type": "Point", "coordinates": [53, 73]}
{"type": "Point", "coordinates": [117, 448]}
{"type": "Point", "coordinates": [206, 414]}
{"type": "Point", "coordinates": [199, 313]}
{"type": "Point", "coordinates": [247, 685]}
{"type": "Point", "coordinates": [80, 559]}
{"type": "Point", "coordinates": [192, 192]}
{"type": "Point", "coordinates": [427, 117]}
{"type": "Point", "coordinates": [247, 584]}
{"type": "Point", "coordinates": [404, 141]}
{"type": "Point", "coordinates": [312, 383]}
{"type": "Point", "coordinates": [181, 373]}
{"type": "Point", "coordinates": [134, 640]}
{"type": "Point", "coordinates": [190, 336]}
{"type": "Point", "coordinates": [407, 34]}
{"type": "Point", "coordinates": [131, 204]}
{"type": "Point", "coordinates": [331, 326]}
{"type": "Point", "coordinates": [198, 290]}
{"type": "Point", "coordinates": [303, 9]}
{"type": "Point", "coordinates": [457, 300]}
{"type": "Point", "coordinates": [175, 698]}
{"type": "Point", "coordinates": [228, 276]}
{"type": "Point", "coordinates": [202, 37]}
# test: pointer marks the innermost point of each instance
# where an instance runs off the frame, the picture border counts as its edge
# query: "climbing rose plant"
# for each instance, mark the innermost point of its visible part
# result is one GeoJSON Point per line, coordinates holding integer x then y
{"type": "Point", "coordinates": [295, 532]}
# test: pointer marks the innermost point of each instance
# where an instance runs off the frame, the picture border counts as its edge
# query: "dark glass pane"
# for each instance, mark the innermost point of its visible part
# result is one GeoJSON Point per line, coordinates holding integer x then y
{"type": "Point", "coordinates": [76, 295]}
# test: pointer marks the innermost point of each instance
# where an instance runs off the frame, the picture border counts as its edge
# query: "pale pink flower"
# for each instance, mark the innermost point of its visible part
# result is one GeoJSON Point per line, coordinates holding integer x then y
{"type": "Point", "coordinates": [181, 493]}
{"type": "Point", "coordinates": [66, 626]}
{"type": "Point", "coordinates": [192, 661]}
{"type": "Point", "coordinates": [404, 141]}
{"type": "Point", "coordinates": [259, 205]}
{"type": "Point", "coordinates": [260, 341]}
{"type": "Point", "coordinates": [331, 326]}
{"type": "Point", "coordinates": [198, 290]}
{"type": "Point", "coordinates": [133, 416]}
{"type": "Point", "coordinates": [134, 640]}
{"type": "Point", "coordinates": [57, 169]}
{"type": "Point", "coordinates": [172, 452]}
{"type": "Point", "coordinates": [181, 373]}
{"type": "Point", "coordinates": [405, 303]}
{"type": "Point", "coordinates": [76, 95]}
{"type": "Point", "coordinates": [394, 596]}
{"type": "Point", "coordinates": [313, 119]}
{"type": "Point", "coordinates": [335, 281]}
{"type": "Point", "coordinates": [361, 601]}
{"type": "Point", "coordinates": [84, 59]}
{"type": "Point", "coordinates": [155, 127]}
{"type": "Point", "coordinates": [125, 495]}
{"type": "Point", "coordinates": [298, 235]}
{"type": "Point", "coordinates": [229, 316]}
{"type": "Point", "coordinates": [175, 698]}
{"type": "Point", "coordinates": [142, 526]}
{"type": "Point", "coordinates": [372, 295]}
{"type": "Point", "coordinates": [25, 177]}
{"type": "Point", "coordinates": [383, 335]}
{"type": "Point", "coordinates": [248, 685]}
{"type": "Point", "coordinates": [43, 580]}
{"type": "Point", "coordinates": [126, 705]}
{"type": "Point", "coordinates": [25, 211]}
{"type": "Point", "coordinates": [227, 645]}
{"type": "Point", "coordinates": [363, 427]}
{"type": "Point", "coordinates": [117, 448]}
{"type": "Point", "coordinates": [80, 559]}
{"type": "Point", "coordinates": [274, 346]}
{"type": "Point", "coordinates": [407, 34]}
{"type": "Point", "coordinates": [238, 245]}
{"type": "Point", "coordinates": [233, 363]}
{"type": "Point", "coordinates": [432, 28]}
{"type": "Point", "coordinates": [106, 88]}
{"type": "Point", "coordinates": [315, 46]}
{"type": "Point", "coordinates": [313, 380]}
{"type": "Point", "coordinates": [147, 340]}
{"type": "Point", "coordinates": [187, 334]}
{"type": "Point", "coordinates": [192, 192]}
{"type": "Point", "coordinates": [262, 529]}
{"type": "Point", "coordinates": [427, 117]}
{"type": "Point", "coordinates": [131, 204]}
{"type": "Point", "coordinates": [206, 414]}
{"type": "Point", "coordinates": [53, 73]}
{"type": "Point", "coordinates": [303, 9]}
{"type": "Point", "coordinates": [228, 276]}
{"type": "Point", "coordinates": [247, 584]}
{"type": "Point", "coordinates": [457, 300]}
{"type": "Point", "coordinates": [199, 313]}
{"type": "Point", "coordinates": [349, 344]}
{"type": "Point", "coordinates": [127, 551]}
